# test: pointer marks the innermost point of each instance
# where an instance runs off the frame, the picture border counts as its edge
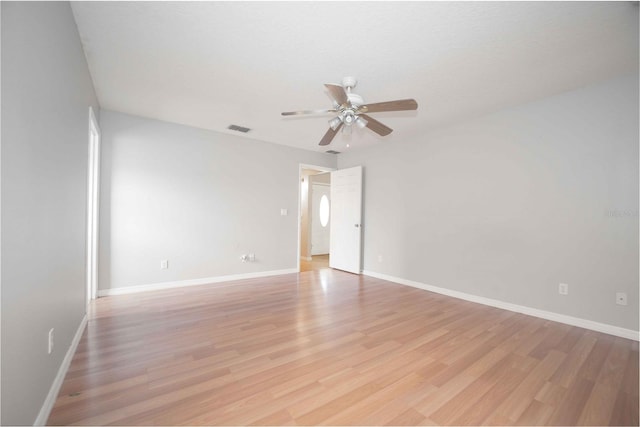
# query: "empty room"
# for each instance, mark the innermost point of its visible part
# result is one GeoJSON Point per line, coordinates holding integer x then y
{"type": "Point", "coordinates": [319, 213]}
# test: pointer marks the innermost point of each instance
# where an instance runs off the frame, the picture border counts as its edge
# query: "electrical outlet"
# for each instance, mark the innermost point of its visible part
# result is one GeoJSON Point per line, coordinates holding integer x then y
{"type": "Point", "coordinates": [284, 212]}
{"type": "Point", "coordinates": [252, 257]}
{"type": "Point", "coordinates": [563, 289]}
{"type": "Point", "coordinates": [50, 342]}
{"type": "Point", "coordinates": [164, 264]}
{"type": "Point", "coordinates": [621, 298]}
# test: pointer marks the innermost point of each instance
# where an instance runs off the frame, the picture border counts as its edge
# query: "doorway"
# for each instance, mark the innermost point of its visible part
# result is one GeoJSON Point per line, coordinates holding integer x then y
{"type": "Point", "coordinates": [314, 218]}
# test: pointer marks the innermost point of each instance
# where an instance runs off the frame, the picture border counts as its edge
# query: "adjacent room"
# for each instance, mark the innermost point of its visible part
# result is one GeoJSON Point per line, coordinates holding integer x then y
{"type": "Point", "coordinates": [319, 213]}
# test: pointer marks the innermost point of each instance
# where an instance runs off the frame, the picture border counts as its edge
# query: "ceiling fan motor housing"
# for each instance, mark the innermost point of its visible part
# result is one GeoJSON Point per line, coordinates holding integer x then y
{"type": "Point", "coordinates": [355, 100]}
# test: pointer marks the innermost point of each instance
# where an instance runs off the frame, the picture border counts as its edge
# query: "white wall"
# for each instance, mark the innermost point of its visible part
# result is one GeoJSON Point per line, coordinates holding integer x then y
{"type": "Point", "coordinates": [46, 94]}
{"type": "Point", "coordinates": [319, 236]}
{"type": "Point", "coordinates": [197, 198]}
{"type": "Point", "coordinates": [321, 178]}
{"type": "Point", "coordinates": [508, 205]}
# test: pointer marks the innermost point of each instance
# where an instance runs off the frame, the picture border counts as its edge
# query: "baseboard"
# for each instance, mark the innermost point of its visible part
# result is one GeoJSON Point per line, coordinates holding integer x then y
{"type": "Point", "coordinates": [191, 282]}
{"type": "Point", "coordinates": [47, 406]}
{"type": "Point", "coordinates": [548, 315]}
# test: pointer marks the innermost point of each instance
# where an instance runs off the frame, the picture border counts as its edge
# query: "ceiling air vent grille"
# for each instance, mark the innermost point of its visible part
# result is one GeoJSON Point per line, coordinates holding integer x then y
{"type": "Point", "coordinates": [333, 152]}
{"type": "Point", "coordinates": [238, 128]}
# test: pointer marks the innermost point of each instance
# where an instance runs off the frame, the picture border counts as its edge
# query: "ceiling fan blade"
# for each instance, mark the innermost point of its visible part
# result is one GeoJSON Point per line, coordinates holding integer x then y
{"type": "Point", "coordinates": [299, 113]}
{"type": "Point", "coordinates": [376, 126]}
{"type": "Point", "coordinates": [338, 94]}
{"type": "Point", "coordinates": [328, 137]}
{"type": "Point", "coordinates": [399, 105]}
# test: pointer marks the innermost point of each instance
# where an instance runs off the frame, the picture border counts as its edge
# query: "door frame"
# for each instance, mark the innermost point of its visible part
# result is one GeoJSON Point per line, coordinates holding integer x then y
{"type": "Point", "coordinates": [93, 207]}
{"type": "Point", "coordinates": [302, 166]}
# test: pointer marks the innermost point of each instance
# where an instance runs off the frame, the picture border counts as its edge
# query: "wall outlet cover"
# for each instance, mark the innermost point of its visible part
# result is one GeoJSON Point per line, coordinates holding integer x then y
{"type": "Point", "coordinates": [563, 289]}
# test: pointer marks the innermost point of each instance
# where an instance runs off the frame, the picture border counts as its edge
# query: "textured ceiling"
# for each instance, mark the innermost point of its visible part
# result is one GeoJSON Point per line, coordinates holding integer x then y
{"type": "Point", "coordinates": [212, 64]}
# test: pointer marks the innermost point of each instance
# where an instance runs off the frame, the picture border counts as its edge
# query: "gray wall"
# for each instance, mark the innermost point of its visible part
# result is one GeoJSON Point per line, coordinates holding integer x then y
{"type": "Point", "coordinates": [197, 198]}
{"type": "Point", "coordinates": [508, 205]}
{"type": "Point", "coordinates": [46, 93]}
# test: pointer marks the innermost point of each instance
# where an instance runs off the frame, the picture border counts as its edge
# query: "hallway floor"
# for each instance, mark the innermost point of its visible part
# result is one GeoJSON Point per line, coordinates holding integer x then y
{"type": "Point", "coordinates": [318, 262]}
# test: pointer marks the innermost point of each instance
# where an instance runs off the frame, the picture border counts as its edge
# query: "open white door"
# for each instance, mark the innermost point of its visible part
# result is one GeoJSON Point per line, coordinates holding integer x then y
{"type": "Point", "coordinates": [346, 217]}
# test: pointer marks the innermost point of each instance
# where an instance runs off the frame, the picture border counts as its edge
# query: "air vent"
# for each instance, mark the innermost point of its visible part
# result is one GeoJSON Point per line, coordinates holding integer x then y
{"type": "Point", "coordinates": [333, 152]}
{"type": "Point", "coordinates": [238, 128]}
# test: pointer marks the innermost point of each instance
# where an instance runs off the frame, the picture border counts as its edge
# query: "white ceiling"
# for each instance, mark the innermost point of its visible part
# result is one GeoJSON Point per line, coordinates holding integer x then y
{"type": "Point", "coordinates": [212, 64]}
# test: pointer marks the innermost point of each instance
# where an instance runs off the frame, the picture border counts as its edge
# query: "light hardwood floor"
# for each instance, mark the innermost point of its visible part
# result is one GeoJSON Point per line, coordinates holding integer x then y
{"type": "Point", "coordinates": [318, 262]}
{"type": "Point", "coordinates": [326, 347]}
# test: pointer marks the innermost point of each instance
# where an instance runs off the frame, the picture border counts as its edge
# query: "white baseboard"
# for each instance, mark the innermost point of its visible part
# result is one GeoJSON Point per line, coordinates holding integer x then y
{"type": "Point", "coordinates": [556, 317]}
{"type": "Point", "coordinates": [191, 282]}
{"type": "Point", "coordinates": [47, 406]}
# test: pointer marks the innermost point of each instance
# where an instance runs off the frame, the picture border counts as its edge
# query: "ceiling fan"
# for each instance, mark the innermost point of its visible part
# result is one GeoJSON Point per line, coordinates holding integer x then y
{"type": "Point", "coordinates": [351, 110]}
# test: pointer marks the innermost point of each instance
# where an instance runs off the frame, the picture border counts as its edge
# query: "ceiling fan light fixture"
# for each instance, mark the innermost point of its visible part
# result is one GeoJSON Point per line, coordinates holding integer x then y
{"type": "Point", "coordinates": [335, 122]}
{"type": "Point", "coordinates": [362, 123]}
{"type": "Point", "coordinates": [348, 117]}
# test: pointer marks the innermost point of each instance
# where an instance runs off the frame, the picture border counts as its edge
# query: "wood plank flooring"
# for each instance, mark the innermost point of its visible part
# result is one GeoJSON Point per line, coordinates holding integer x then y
{"type": "Point", "coordinates": [318, 262]}
{"type": "Point", "coordinates": [332, 348]}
